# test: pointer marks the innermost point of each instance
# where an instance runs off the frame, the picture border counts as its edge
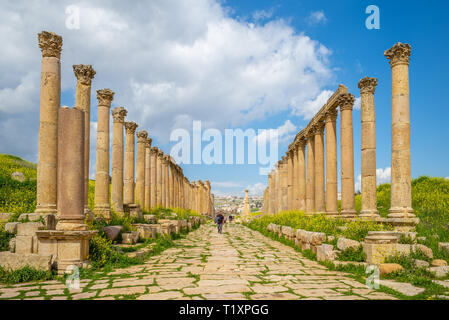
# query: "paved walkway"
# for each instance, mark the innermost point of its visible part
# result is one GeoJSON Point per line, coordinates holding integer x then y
{"type": "Point", "coordinates": [238, 264]}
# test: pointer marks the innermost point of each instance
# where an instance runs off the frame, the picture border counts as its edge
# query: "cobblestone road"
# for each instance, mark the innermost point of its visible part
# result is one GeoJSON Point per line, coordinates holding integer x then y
{"type": "Point", "coordinates": [238, 264]}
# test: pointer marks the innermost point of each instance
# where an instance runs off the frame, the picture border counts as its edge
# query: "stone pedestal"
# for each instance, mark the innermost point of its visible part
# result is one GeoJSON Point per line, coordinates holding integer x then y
{"type": "Point", "coordinates": [133, 210]}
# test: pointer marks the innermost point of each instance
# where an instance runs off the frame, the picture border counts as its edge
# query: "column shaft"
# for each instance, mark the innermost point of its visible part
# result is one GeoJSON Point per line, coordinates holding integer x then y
{"type": "Point", "coordinates": [331, 163]}
{"type": "Point", "coordinates": [142, 137]}
{"type": "Point", "coordinates": [130, 144]}
{"type": "Point", "coordinates": [319, 168]}
{"type": "Point", "coordinates": [310, 186]}
{"type": "Point", "coordinates": [118, 115]}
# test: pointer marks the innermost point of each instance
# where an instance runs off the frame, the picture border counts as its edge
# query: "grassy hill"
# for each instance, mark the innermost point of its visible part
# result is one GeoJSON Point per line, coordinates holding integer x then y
{"type": "Point", "coordinates": [16, 196]}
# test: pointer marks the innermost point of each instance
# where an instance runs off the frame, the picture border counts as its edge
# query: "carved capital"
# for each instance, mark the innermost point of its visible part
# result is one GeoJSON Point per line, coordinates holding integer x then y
{"type": "Point", "coordinates": [148, 142]}
{"type": "Point", "coordinates": [141, 136]}
{"type": "Point", "coordinates": [131, 127]}
{"type": "Point", "coordinates": [84, 73]}
{"type": "Point", "coordinates": [331, 115]}
{"type": "Point", "coordinates": [346, 101]}
{"type": "Point", "coordinates": [318, 127]}
{"type": "Point", "coordinates": [119, 114]}
{"type": "Point", "coordinates": [160, 153]}
{"type": "Point", "coordinates": [105, 97]}
{"type": "Point", "coordinates": [368, 85]}
{"type": "Point", "coordinates": [50, 44]}
{"type": "Point", "coordinates": [153, 150]}
{"type": "Point", "coordinates": [398, 54]}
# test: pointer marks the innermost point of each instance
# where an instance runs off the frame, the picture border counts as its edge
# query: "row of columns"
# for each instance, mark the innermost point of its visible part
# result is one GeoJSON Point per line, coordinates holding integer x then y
{"type": "Point", "coordinates": [152, 180]}
{"type": "Point", "coordinates": [306, 177]}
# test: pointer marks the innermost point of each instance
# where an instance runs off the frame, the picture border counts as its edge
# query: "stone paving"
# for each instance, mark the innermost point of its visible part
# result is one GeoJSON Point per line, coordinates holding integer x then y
{"type": "Point", "coordinates": [238, 264]}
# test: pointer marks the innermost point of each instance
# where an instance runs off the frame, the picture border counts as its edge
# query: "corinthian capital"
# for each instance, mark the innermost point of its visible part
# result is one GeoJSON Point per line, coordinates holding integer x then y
{"type": "Point", "coordinates": [368, 85]}
{"type": "Point", "coordinates": [105, 97]}
{"type": "Point", "coordinates": [119, 114]}
{"type": "Point", "coordinates": [141, 136]}
{"type": "Point", "coordinates": [160, 153]}
{"type": "Point", "coordinates": [84, 73]}
{"type": "Point", "coordinates": [50, 44]}
{"type": "Point", "coordinates": [148, 143]}
{"type": "Point", "coordinates": [346, 101]}
{"type": "Point", "coordinates": [130, 127]}
{"type": "Point", "coordinates": [398, 54]}
{"type": "Point", "coordinates": [153, 150]}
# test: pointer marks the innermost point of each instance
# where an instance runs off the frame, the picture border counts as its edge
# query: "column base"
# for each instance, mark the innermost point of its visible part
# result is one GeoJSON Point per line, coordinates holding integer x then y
{"type": "Point", "coordinates": [70, 248]}
{"type": "Point", "coordinates": [401, 212]}
{"type": "Point", "coordinates": [133, 210]}
{"type": "Point", "coordinates": [369, 214]}
{"type": "Point", "coordinates": [46, 209]}
{"type": "Point", "coordinates": [348, 214]}
{"type": "Point", "coordinates": [104, 211]}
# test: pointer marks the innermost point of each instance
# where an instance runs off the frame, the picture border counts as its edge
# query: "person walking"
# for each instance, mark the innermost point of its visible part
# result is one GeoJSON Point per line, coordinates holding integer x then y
{"type": "Point", "coordinates": [219, 220]}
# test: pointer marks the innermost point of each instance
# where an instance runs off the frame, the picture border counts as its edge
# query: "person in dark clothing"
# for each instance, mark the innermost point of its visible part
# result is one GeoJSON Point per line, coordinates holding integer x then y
{"type": "Point", "coordinates": [219, 220]}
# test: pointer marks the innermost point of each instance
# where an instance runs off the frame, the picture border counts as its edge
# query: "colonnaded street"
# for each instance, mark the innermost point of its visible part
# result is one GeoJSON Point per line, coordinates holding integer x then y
{"type": "Point", "coordinates": [238, 264]}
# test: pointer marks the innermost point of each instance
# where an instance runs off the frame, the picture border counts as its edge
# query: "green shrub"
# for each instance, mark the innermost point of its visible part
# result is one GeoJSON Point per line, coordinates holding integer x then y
{"type": "Point", "coordinates": [25, 274]}
{"type": "Point", "coordinates": [352, 254]}
{"type": "Point", "coordinates": [5, 237]}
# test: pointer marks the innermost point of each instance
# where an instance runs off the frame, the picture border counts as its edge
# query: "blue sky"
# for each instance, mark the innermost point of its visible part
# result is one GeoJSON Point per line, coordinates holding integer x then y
{"type": "Point", "coordinates": [172, 62]}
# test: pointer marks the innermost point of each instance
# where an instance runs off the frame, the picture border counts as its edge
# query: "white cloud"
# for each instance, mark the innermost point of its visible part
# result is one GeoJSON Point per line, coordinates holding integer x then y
{"type": "Point", "coordinates": [310, 107]}
{"type": "Point", "coordinates": [283, 133]}
{"type": "Point", "coordinates": [382, 176]}
{"type": "Point", "coordinates": [259, 15]}
{"type": "Point", "coordinates": [256, 189]}
{"type": "Point", "coordinates": [357, 103]}
{"type": "Point", "coordinates": [317, 17]}
{"type": "Point", "coordinates": [225, 184]}
{"type": "Point", "coordinates": [169, 62]}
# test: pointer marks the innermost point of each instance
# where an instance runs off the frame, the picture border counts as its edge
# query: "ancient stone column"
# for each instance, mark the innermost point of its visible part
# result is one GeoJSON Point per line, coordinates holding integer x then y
{"type": "Point", "coordinates": [310, 185]}
{"type": "Point", "coordinates": [246, 210]}
{"type": "Point", "coordinates": [367, 87]}
{"type": "Point", "coordinates": [301, 169]}
{"type": "Point", "coordinates": [167, 180]}
{"type": "Point", "coordinates": [160, 155]}
{"type": "Point", "coordinates": [279, 189]}
{"type": "Point", "coordinates": [118, 115]}
{"type": "Point", "coordinates": [290, 180]}
{"type": "Point", "coordinates": [153, 189]}
{"type": "Point", "coordinates": [50, 99]}
{"type": "Point", "coordinates": [401, 190]}
{"type": "Point", "coordinates": [331, 163]}
{"type": "Point", "coordinates": [267, 202]}
{"type": "Point", "coordinates": [130, 129]}
{"type": "Point", "coordinates": [200, 197]}
{"type": "Point", "coordinates": [71, 170]}
{"type": "Point", "coordinates": [295, 182]}
{"type": "Point", "coordinates": [172, 184]}
{"type": "Point", "coordinates": [346, 102]}
{"type": "Point", "coordinates": [102, 206]}
{"type": "Point", "coordinates": [208, 207]}
{"type": "Point", "coordinates": [84, 75]}
{"type": "Point", "coordinates": [319, 167]}
{"type": "Point", "coordinates": [142, 137]}
{"type": "Point", "coordinates": [147, 205]}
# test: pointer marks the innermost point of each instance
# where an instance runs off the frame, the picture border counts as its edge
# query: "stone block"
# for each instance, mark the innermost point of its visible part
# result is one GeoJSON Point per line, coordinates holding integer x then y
{"type": "Point", "coordinates": [439, 272]}
{"type": "Point", "coordinates": [386, 268]}
{"type": "Point", "coordinates": [11, 227]}
{"type": "Point", "coordinates": [130, 237]}
{"type": "Point", "coordinates": [424, 249]}
{"type": "Point", "coordinates": [438, 263]}
{"type": "Point", "coordinates": [343, 243]}
{"type": "Point", "coordinates": [317, 238]}
{"type": "Point", "coordinates": [12, 245]}
{"type": "Point", "coordinates": [29, 228]}
{"type": "Point", "coordinates": [443, 246]}
{"type": "Point", "coordinates": [24, 244]}
{"type": "Point", "coordinates": [325, 252]}
{"type": "Point", "coordinates": [14, 261]}
{"type": "Point", "coordinates": [29, 217]}
{"type": "Point", "coordinates": [421, 263]}
{"type": "Point", "coordinates": [5, 216]}
{"type": "Point", "coordinates": [112, 232]}
{"type": "Point", "coordinates": [150, 218]}
{"type": "Point", "coordinates": [376, 253]}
